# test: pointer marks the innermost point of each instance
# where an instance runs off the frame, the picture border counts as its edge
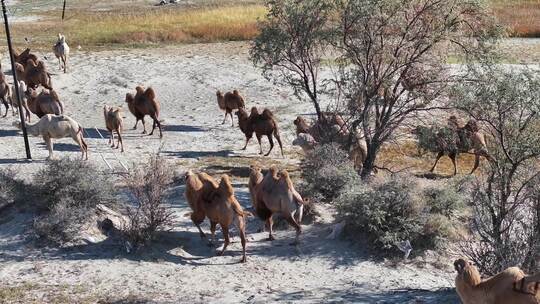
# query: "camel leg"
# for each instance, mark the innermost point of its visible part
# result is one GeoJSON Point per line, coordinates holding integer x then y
{"type": "Point", "coordinates": [80, 141]}
{"type": "Point", "coordinates": [259, 140]}
{"type": "Point", "coordinates": [278, 138]}
{"type": "Point", "coordinates": [232, 119]}
{"type": "Point", "coordinates": [64, 59]}
{"type": "Point", "coordinates": [248, 138]}
{"type": "Point", "coordinates": [242, 228]}
{"type": "Point", "coordinates": [271, 144]}
{"type": "Point", "coordinates": [270, 224]}
{"type": "Point", "coordinates": [224, 118]}
{"type": "Point", "coordinates": [144, 126]}
{"type": "Point", "coordinates": [120, 141]}
{"type": "Point", "coordinates": [476, 162]}
{"type": "Point", "coordinates": [296, 226]}
{"type": "Point", "coordinates": [136, 122]}
{"type": "Point", "coordinates": [49, 144]}
{"type": "Point", "coordinates": [111, 138]}
{"type": "Point", "coordinates": [436, 161]}
{"type": "Point", "coordinates": [213, 226]}
{"type": "Point", "coordinates": [453, 158]}
{"type": "Point", "coordinates": [225, 231]}
{"type": "Point", "coordinates": [5, 105]}
{"type": "Point", "coordinates": [197, 218]}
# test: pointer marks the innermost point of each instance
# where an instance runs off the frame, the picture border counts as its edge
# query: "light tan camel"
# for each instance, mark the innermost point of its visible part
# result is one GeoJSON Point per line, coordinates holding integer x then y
{"type": "Point", "coordinates": [5, 92]}
{"type": "Point", "coordinates": [15, 102]}
{"type": "Point", "coordinates": [275, 193]}
{"type": "Point", "coordinates": [114, 123]}
{"type": "Point", "coordinates": [503, 288]}
{"type": "Point", "coordinates": [57, 126]}
{"type": "Point", "coordinates": [197, 185]}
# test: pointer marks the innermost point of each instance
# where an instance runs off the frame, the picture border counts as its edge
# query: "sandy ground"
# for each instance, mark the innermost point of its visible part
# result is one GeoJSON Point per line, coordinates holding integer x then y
{"type": "Point", "coordinates": [180, 268]}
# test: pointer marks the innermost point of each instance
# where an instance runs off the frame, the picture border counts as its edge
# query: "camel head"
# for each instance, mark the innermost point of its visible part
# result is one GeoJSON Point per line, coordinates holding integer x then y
{"type": "Point", "coordinates": [219, 94]}
{"type": "Point", "coordinates": [61, 38]}
{"type": "Point", "coordinates": [467, 272]}
{"type": "Point", "coordinates": [188, 174]}
{"type": "Point", "coordinates": [254, 111]}
{"type": "Point", "coordinates": [299, 121]}
{"type": "Point", "coordinates": [241, 114]}
{"type": "Point", "coordinates": [139, 90]}
{"type": "Point", "coordinates": [129, 98]}
{"type": "Point", "coordinates": [273, 171]}
{"type": "Point", "coordinates": [236, 93]}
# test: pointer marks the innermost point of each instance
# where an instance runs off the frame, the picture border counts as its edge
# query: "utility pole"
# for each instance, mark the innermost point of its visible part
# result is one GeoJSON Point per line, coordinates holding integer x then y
{"type": "Point", "coordinates": [16, 82]}
{"type": "Point", "coordinates": [64, 10]}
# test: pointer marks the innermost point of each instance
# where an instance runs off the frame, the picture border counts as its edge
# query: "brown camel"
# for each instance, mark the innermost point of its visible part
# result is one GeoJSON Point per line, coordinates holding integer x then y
{"type": "Point", "coordinates": [23, 57]}
{"type": "Point", "coordinates": [5, 92]}
{"type": "Point", "coordinates": [217, 202]}
{"type": "Point", "coordinates": [508, 287]}
{"type": "Point", "coordinates": [44, 103]}
{"type": "Point", "coordinates": [35, 74]}
{"type": "Point", "coordinates": [229, 102]}
{"type": "Point", "coordinates": [275, 193]}
{"type": "Point", "coordinates": [262, 124]}
{"type": "Point", "coordinates": [142, 104]}
{"type": "Point", "coordinates": [469, 139]}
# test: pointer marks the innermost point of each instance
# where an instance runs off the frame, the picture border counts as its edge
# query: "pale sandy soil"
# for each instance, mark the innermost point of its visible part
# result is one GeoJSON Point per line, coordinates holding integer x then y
{"type": "Point", "coordinates": [180, 268]}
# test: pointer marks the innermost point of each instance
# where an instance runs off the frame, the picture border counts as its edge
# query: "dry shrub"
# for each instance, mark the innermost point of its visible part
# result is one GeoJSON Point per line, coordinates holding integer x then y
{"type": "Point", "coordinates": [395, 210]}
{"type": "Point", "coordinates": [147, 184]}
{"type": "Point", "coordinates": [8, 187]}
{"type": "Point", "coordinates": [521, 17]}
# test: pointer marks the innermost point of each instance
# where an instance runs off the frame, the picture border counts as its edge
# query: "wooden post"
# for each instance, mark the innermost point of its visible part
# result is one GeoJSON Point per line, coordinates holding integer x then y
{"type": "Point", "coordinates": [64, 10]}
{"type": "Point", "coordinates": [16, 82]}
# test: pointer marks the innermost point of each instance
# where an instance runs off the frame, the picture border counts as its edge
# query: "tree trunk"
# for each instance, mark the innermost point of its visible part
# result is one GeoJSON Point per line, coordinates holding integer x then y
{"type": "Point", "coordinates": [369, 164]}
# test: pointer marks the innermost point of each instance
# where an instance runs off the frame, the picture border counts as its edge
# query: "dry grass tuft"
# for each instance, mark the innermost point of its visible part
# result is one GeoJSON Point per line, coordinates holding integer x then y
{"type": "Point", "coordinates": [146, 27]}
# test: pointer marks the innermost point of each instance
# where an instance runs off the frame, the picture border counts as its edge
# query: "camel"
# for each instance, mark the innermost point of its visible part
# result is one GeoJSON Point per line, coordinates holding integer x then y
{"type": "Point", "coordinates": [510, 286]}
{"type": "Point", "coordinates": [275, 193]}
{"type": "Point", "coordinates": [57, 126]}
{"type": "Point", "coordinates": [262, 124]}
{"type": "Point", "coordinates": [5, 92]}
{"type": "Point", "coordinates": [114, 123]}
{"type": "Point", "coordinates": [22, 95]}
{"type": "Point", "coordinates": [61, 51]}
{"type": "Point", "coordinates": [44, 103]}
{"type": "Point", "coordinates": [144, 103]}
{"type": "Point", "coordinates": [229, 102]}
{"type": "Point", "coordinates": [19, 71]}
{"type": "Point", "coordinates": [222, 207]}
{"type": "Point", "coordinates": [308, 137]}
{"type": "Point", "coordinates": [465, 139]}
{"type": "Point", "coordinates": [217, 202]}
{"type": "Point", "coordinates": [35, 74]}
{"type": "Point", "coordinates": [23, 57]}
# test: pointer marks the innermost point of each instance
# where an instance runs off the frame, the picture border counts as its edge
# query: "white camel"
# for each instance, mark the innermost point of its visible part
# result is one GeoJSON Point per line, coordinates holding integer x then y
{"type": "Point", "coordinates": [56, 126]}
{"type": "Point", "coordinates": [61, 51]}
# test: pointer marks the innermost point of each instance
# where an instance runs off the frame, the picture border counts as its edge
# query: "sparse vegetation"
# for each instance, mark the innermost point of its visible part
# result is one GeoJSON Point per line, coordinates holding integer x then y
{"type": "Point", "coordinates": [326, 171]}
{"type": "Point", "coordinates": [395, 210]}
{"type": "Point", "coordinates": [505, 199]}
{"type": "Point", "coordinates": [140, 26]}
{"type": "Point", "coordinates": [149, 213]}
{"type": "Point", "coordinates": [69, 190]}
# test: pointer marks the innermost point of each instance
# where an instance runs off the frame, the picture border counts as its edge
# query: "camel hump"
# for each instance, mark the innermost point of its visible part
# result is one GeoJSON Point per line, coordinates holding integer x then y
{"type": "Point", "coordinates": [267, 114]}
{"type": "Point", "coordinates": [236, 93]}
{"type": "Point", "coordinates": [54, 95]}
{"type": "Point", "coordinates": [150, 93]}
{"type": "Point", "coordinates": [225, 186]}
{"type": "Point", "coordinates": [284, 176]}
{"type": "Point", "coordinates": [41, 65]}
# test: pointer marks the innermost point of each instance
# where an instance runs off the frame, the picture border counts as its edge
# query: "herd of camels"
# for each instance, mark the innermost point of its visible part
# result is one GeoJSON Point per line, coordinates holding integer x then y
{"type": "Point", "coordinates": [271, 192]}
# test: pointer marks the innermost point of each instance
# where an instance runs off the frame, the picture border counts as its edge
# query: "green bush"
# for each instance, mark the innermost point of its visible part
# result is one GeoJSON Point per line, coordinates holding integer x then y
{"type": "Point", "coordinates": [326, 171]}
{"type": "Point", "coordinates": [69, 190]}
{"type": "Point", "coordinates": [74, 182]}
{"type": "Point", "coordinates": [395, 210]}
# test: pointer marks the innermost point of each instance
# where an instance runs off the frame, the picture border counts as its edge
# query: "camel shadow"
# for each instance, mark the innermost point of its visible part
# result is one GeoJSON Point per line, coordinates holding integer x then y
{"type": "Point", "coordinates": [230, 170]}
{"type": "Point", "coordinates": [93, 133]}
{"type": "Point", "coordinates": [199, 154]}
{"type": "Point", "coordinates": [358, 294]}
{"type": "Point", "coordinates": [433, 175]}
{"type": "Point", "coordinates": [64, 147]}
{"type": "Point", "coordinates": [183, 128]}
{"type": "Point", "coordinates": [9, 133]}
